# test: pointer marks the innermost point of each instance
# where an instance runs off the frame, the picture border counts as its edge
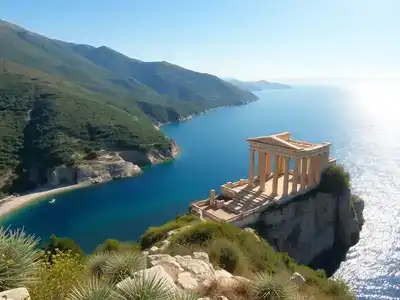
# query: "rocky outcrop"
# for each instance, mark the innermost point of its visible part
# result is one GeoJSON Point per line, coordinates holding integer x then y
{"type": "Point", "coordinates": [109, 165]}
{"type": "Point", "coordinates": [312, 223]}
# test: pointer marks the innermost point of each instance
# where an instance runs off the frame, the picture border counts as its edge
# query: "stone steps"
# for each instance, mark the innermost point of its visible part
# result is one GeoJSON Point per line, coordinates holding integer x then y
{"type": "Point", "coordinates": [247, 200]}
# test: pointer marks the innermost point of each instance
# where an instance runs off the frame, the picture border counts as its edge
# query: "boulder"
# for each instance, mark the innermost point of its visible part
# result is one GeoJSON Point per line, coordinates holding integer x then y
{"type": "Point", "coordinates": [298, 279]}
{"type": "Point", "coordinates": [202, 256]}
{"type": "Point", "coordinates": [156, 271]}
{"type": "Point", "coordinates": [16, 294]}
{"type": "Point", "coordinates": [199, 268]}
{"type": "Point", "coordinates": [153, 250]}
{"type": "Point", "coordinates": [168, 262]}
{"type": "Point", "coordinates": [222, 274]}
{"type": "Point", "coordinates": [172, 232]}
{"type": "Point", "coordinates": [187, 281]}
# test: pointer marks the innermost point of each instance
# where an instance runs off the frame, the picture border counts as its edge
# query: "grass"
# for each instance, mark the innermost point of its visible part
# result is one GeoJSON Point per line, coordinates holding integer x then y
{"type": "Point", "coordinates": [159, 233]}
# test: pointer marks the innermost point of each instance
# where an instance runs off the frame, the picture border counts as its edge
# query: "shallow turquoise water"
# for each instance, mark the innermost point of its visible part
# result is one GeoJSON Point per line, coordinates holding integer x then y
{"type": "Point", "coordinates": [358, 121]}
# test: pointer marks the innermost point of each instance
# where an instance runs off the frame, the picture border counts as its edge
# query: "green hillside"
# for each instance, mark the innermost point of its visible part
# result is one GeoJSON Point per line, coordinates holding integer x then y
{"type": "Point", "coordinates": [165, 92]}
{"type": "Point", "coordinates": [44, 121]}
{"type": "Point", "coordinates": [58, 99]}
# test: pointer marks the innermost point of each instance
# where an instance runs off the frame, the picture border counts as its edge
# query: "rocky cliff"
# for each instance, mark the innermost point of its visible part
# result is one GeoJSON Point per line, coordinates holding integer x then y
{"type": "Point", "coordinates": [313, 223]}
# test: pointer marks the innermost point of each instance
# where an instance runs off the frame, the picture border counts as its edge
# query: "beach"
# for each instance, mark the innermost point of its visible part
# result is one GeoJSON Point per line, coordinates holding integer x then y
{"type": "Point", "coordinates": [15, 202]}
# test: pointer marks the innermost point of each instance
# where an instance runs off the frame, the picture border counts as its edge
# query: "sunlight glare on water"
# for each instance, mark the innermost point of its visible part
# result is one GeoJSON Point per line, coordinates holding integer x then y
{"type": "Point", "coordinates": [373, 159]}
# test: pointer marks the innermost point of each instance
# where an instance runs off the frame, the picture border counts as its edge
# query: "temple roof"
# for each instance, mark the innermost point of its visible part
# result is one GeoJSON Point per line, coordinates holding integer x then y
{"type": "Point", "coordinates": [284, 140]}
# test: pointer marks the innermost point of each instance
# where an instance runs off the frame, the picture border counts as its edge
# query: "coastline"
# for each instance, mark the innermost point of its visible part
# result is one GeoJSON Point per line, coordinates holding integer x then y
{"type": "Point", "coordinates": [18, 202]}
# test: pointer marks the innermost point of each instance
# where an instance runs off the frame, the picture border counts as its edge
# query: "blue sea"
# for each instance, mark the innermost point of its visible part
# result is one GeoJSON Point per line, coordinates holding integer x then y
{"type": "Point", "coordinates": [361, 119]}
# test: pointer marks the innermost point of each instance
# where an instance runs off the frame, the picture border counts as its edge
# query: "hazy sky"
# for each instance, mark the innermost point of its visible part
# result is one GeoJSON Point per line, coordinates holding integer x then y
{"type": "Point", "coordinates": [246, 39]}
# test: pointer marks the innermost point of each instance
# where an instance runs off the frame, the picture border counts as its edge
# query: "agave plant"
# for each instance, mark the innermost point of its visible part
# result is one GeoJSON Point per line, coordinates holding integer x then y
{"type": "Point", "coordinates": [180, 295]}
{"type": "Point", "coordinates": [266, 287]}
{"type": "Point", "coordinates": [18, 258]}
{"type": "Point", "coordinates": [119, 266]}
{"type": "Point", "coordinates": [143, 288]}
{"type": "Point", "coordinates": [92, 290]}
{"type": "Point", "coordinates": [96, 263]}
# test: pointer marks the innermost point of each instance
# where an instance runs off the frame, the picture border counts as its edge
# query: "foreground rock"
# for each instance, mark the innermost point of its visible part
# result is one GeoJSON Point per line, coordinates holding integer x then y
{"type": "Point", "coordinates": [15, 294]}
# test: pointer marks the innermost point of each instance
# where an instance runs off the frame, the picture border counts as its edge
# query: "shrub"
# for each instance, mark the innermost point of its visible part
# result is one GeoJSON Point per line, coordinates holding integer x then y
{"type": "Point", "coordinates": [227, 255]}
{"type": "Point", "coordinates": [144, 288]}
{"type": "Point", "coordinates": [92, 290]}
{"type": "Point", "coordinates": [18, 259]}
{"type": "Point", "coordinates": [119, 266]}
{"type": "Point", "coordinates": [337, 289]}
{"type": "Point", "coordinates": [335, 180]}
{"type": "Point", "coordinates": [266, 287]}
{"type": "Point", "coordinates": [91, 155]}
{"type": "Point", "coordinates": [111, 245]}
{"type": "Point", "coordinates": [156, 234]}
{"type": "Point", "coordinates": [56, 279]}
{"type": "Point", "coordinates": [62, 244]}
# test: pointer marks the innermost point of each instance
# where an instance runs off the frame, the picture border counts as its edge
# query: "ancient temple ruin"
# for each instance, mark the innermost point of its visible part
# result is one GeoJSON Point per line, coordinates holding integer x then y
{"type": "Point", "coordinates": [279, 169]}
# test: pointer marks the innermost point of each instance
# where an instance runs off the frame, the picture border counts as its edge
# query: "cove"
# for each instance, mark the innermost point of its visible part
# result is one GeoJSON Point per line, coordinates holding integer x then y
{"type": "Point", "coordinates": [214, 151]}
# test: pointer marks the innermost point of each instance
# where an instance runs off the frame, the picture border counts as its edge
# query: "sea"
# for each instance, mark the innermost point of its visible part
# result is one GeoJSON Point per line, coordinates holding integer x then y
{"type": "Point", "coordinates": [361, 119]}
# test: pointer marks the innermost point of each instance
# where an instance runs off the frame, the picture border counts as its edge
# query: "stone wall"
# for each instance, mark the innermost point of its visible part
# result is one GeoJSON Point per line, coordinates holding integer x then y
{"type": "Point", "coordinates": [312, 223]}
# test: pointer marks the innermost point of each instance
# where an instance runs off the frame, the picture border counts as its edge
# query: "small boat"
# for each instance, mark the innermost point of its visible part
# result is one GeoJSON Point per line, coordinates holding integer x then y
{"type": "Point", "coordinates": [52, 201]}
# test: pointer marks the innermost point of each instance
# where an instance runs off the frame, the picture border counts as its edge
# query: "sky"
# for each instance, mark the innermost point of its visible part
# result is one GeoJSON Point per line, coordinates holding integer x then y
{"type": "Point", "coordinates": [244, 39]}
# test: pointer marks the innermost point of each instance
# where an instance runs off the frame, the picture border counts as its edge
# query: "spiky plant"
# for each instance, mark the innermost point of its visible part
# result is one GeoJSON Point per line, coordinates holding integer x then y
{"type": "Point", "coordinates": [122, 265]}
{"type": "Point", "coordinates": [18, 258]}
{"type": "Point", "coordinates": [92, 290]}
{"type": "Point", "coordinates": [266, 287]}
{"type": "Point", "coordinates": [96, 263]}
{"type": "Point", "coordinates": [143, 288]}
{"type": "Point", "coordinates": [181, 295]}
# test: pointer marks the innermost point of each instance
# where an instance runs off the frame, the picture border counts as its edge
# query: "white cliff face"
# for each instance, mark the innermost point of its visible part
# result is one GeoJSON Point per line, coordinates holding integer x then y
{"type": "Point", "coordinates": [106, 167]}
{"type": "Point", "coordinates": [311, 224]}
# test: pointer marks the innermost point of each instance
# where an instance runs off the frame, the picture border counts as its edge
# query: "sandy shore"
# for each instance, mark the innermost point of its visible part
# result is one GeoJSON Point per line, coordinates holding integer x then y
{"type": "Point", "coordinates": [17, 202]}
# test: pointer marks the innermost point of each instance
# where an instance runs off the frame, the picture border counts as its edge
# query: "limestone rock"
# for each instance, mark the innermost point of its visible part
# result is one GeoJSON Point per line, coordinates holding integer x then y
{"type": "Point", "coordinates": [198, 268]}
{"type": "Point", "coordinates": [171, 233]}
{"type": "Point", "coordinates": [187, 281]}
{"type": "Point", "coordinates": [205, 298]}
{"type": "Point", "coordinates": [298, 279]}
{"type": "Point", "coordinates": [165, 244]}
{"type": "Point", "coordinates": [153, 250]}
{"type": "Point", "coordinates": [16, 294]}
{"type": "Point", "coordinates": [168, 262]}
{"type": "Point", "coordinates": [202, 256]}
{"type": "Point", "coordinates": [158, 272]}
{"type": "Point", "coordinates": [222, 274]}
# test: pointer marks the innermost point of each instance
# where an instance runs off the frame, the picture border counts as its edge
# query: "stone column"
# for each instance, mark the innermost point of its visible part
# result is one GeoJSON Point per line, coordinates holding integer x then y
{"type": "Point", "coordinates": [276, 177]}
{"type": "Point", "coordinates": [318, 164]}
{"type": "Point", "coordinates": [295, 177]}
{"type": "Point", "coordinates": [268, 164]}
{"type": "Point", "coordinates": [303, 173]}
{"type": "Point", "coordinates": [251, 169]}
{"type": "Point", "coordinates": [286, 176]}
{"type": "Point", "coordinates": [310, 180]}
{"type": "Point", "coordinates": [261, 170]}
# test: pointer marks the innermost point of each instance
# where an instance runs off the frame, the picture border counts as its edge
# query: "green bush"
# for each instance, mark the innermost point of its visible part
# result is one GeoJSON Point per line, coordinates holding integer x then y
{"type": "Point", "coordinates": [62, 244]}
{"type": "Point", "coordinates": [111, 245]}
{"type": "Point", "coordinates": [337, 289]}
{"type": "Point", "coordinates": [227, 255]}
{"type": "Point", "coordinates": [56, 279]}
{"type": "Point", "coordinates": [334, 180]}
{"type": "Point", "coordinates": [156, 234]}
{"type": "Point", "coordinates": [255, 254]}
{"type": "Point", "coordinates": [92, 290]}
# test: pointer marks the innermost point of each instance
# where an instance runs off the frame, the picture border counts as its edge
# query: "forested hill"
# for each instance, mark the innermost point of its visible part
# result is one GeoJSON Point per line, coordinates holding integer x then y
{"type": "Point", "coordinates": [165, 92]}
{"type": "Point", "coordinates": [45, 122]}
{"type": "Point", "coordinates": [58, 99]}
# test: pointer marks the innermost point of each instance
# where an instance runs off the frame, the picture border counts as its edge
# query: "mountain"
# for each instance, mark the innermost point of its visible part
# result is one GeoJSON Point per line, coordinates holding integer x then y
{"type": "Point", "coordinates": [254, 86]}
{"type": "Point", "coordinates": [59, 100]}
{"type": "Point", "coordinates": [165, 92]}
